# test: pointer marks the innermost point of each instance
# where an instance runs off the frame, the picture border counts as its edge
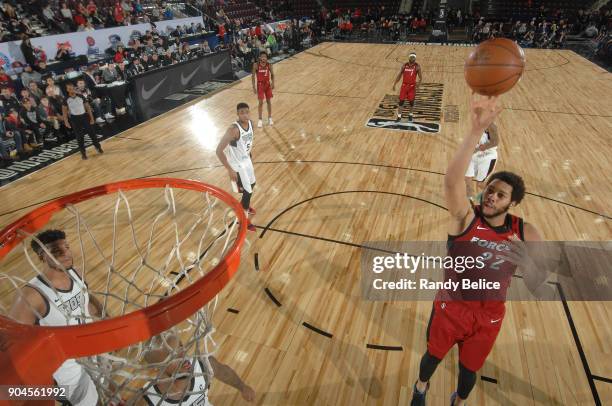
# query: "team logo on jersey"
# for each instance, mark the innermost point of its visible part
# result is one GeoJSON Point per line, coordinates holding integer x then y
{"type": "Point", "coordinates": [427, 112]}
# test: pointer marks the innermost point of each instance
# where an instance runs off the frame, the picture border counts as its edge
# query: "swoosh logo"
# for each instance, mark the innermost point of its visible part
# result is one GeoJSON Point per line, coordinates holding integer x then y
{"type": "Point", "coordinates": [481, 228]}
{"type": "Point", "coordinates": [216, 68]}
{"type": "Point", "coordinates": [146, 94]}
{"type": "Point", "coordinates": [495, 321]}
{"type": "Point", "coordinates": [185, 80]}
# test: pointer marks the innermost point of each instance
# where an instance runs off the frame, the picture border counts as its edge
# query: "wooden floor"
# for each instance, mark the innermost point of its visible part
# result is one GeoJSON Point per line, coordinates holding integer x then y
{"type": "Point", "coordinates": [555, 131]}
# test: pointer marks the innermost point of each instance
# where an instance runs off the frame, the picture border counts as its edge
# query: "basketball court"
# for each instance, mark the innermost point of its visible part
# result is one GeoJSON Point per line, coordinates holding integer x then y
{"type": "Point", "coordinates": [292, 322]}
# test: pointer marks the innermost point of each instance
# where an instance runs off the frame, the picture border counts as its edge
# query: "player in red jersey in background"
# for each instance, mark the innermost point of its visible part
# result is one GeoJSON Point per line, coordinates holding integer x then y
{"type": "Point", "coordinates": [473, 319]}
{"type": "Point", "coordinates": [409, 73]}
{"type": "Point", "coordinates": [263, 73]}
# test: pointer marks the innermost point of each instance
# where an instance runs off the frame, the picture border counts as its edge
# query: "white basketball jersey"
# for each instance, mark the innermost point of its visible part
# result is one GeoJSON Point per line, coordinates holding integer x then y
{"type": "Point", "coordinates": [239, 150]}
{"type": "Point", "coordinates": [198, 385]}
{"type": "Point", "coordinates": [489, 152]}
{"type": "Point", "coordinates": [64, 307]}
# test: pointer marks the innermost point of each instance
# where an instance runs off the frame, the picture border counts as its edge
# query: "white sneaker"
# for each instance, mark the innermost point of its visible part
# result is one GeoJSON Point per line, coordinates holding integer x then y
{"type": "Point", "coordinates": [259, 124]}
{"type": "Point", "coordinates": [100, 120]}
{"type": "Point", "coordinates": [270, 121]}
{"type": "Point", "coordinates": [108, 116]}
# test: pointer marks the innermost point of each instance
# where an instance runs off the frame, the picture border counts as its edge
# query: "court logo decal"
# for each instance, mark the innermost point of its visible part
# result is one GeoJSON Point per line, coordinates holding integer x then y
{"type": "Point", "coordinates": [427, 113]}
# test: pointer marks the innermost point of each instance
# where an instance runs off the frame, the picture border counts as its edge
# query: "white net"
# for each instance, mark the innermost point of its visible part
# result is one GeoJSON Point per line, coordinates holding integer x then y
{"type": "Point", "coordinates": [132, 249]}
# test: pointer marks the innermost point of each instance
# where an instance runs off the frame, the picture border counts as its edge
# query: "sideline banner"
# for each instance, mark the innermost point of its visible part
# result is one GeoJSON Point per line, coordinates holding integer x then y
{"type": "Point", "coordinates": [86, 42]}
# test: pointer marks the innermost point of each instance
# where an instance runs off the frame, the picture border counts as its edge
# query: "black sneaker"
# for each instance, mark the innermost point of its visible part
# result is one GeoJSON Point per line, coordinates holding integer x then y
{"type": "Point", "coordinates": [418, 398]}
{"type": "Point", "coordinates": [100, 150]}
{"type": "Point", "coordinates": [83, 157]}
{"type": "Point", "coordinates": [453, 397]}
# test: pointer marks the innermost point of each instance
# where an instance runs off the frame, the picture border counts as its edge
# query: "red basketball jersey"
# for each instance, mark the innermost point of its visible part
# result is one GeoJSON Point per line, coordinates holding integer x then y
{"type": "Point", "coordinates": [263, 73]}
{"type": "Point", "coordinates": [482, 240]}
{"type": "Point", "coordinates": [410, 74]}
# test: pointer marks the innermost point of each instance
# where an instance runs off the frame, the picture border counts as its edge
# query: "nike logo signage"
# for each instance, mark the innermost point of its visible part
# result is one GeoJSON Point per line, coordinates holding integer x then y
{"type": "Point", "coordinates": [185, 80]}
{"type": "Point", "coordinates": [216, 68]}
{"type": "Point", "coordinates": [495, 321]}
{"type": "Point", "coordinates": [481, 228]}
{"type": "Point", "coordinates": [146, 94]}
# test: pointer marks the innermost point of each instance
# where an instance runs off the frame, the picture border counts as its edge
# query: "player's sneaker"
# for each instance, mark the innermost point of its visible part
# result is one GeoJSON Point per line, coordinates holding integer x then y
{"type": "Point", "coordinates": [100, 150]}
{"type": "Point", "coordinates": [100, 120]}
{"type": "Point", "coordinates": [418, 398]}
{"type": "Point", "coordinates": [251, 227]}
{"type": "Point", "coordinates": [252, 211]}
{"type": "Point", "coordinates": [270, 122]}
{"type": "Point", "coordinates": [259, 124]}
{"type": "Point", "coordinates": [453, 397]}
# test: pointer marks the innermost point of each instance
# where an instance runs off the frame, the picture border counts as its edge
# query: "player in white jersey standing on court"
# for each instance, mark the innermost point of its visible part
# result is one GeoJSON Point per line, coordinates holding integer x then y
{"type": "Point", "coordinates": [234, 152]}
{"type": "Point", "coordinates": [184, 381]}
{"type": "Point", "coordinates": [59, 297]}
{"type": "Point", "coordinates": [483, 160]}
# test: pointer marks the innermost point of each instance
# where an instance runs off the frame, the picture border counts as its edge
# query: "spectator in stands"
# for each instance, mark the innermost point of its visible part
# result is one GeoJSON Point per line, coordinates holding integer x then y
{"type": "Point", "coordinates": [136, 68]}
{"type": "Point", "coordinates": [49, 116]}
{"type": "Point", "coordinates": [527, 40]}
{"type": "Point", "coordinates": [5, 80]}
{"type": "Point", "coordinates": [32, 124]}
{"type": "Point", "coordinates": [154, 62]}
{"type": "Point", "coordinates": [205, 47]}
{"type": "Point", "coordinates": [118, 13]}
{"type": "Point", "coordinates": [144, 61]}
{"type": "Point", "coordinates": [92, 9]}
{"type": "Point", "coordinates": [109, 74]}
{"type": "Point", "coordinates": [48, 14]}
{"type": "Point", "coordinates": [271, 43]}
{"type": "Point", "coordinates": [88, 26]}
{"type": "Point", "coordinates": [66, 14]}
{"type": "Point", "coordinates": [15, 124]}
{"type": "Point", "coordinates": [27, 50]}
{"type": "Point", "coordinates": [63, 53]}
{"type": "Point", "coordinates": [8, 134]}
{"type": "Point", "coordinates": [25, 94]}
{"type": "Point", "coordinates": [54, 98]}
{"type": "Point", "coordinates": [51, 82]}
{"type": "Point", "coordinates": [138, 10]}
{"type": "Point", "coordinates": [121, 71]}
{"type": "Point", "coordinates": [8, 100]}
{"type": "Point", "coordinates": [164, 59]}
{"type": "Point", "coordinates": [79, 21]}
{"type": "Point", "coordinates": [126, 7]}
{"type": "Point", "coordinates": [168, 13]}
{"type": "Point", "coordinates": [120, 54]}
{"type": "Point", "coordinates": [35, 90]}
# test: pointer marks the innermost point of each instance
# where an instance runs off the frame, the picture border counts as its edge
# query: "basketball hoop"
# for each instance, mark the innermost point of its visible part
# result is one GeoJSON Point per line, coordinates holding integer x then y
{"type": "Point", "coordinates": [149, 293]}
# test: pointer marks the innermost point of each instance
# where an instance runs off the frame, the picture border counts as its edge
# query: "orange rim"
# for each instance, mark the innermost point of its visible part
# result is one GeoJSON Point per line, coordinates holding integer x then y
{"type": "Point", "coordinates": [30, 354]}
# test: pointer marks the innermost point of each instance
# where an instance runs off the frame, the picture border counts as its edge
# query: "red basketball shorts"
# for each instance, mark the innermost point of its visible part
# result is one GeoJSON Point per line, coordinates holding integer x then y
{"type": "Point", "coordinates": [407, 92]}
{"type": "Point", "coordinates": [264, 91]}
{"type": "Point", "coordinates": [474, 331]}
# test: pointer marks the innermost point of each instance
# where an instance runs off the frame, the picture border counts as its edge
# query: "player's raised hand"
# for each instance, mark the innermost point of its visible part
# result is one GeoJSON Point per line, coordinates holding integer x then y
{"type": "Point", "coordinates": [483, 111]}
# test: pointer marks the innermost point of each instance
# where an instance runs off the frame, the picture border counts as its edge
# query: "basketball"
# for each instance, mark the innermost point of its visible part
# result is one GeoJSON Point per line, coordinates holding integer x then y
{"type": "Point", "coordinates": [494, 67]}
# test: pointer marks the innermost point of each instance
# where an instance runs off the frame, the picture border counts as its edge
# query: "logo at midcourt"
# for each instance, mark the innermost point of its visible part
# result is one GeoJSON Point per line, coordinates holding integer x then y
{"type": "Point", "coordinates": [25, 166]}
{"type": "Point", "coordinates": [427, 112]}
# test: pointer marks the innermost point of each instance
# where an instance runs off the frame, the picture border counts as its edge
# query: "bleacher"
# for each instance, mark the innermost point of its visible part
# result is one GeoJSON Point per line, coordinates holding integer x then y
{"type": "Point", "coordinates": [241, 9]}
{"type": "Point", "coordinates": [524, 9]}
